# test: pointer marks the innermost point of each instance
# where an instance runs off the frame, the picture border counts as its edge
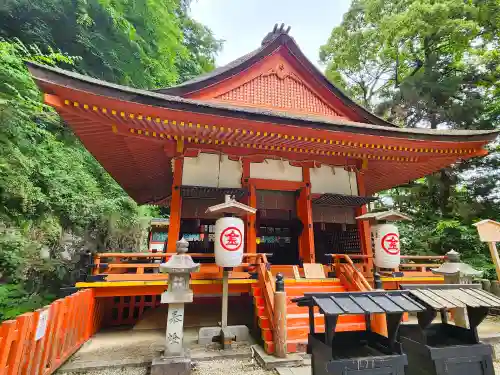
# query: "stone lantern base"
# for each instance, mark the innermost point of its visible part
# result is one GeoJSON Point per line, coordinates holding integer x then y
{"type": "Point", "coordinates": [171, 366]}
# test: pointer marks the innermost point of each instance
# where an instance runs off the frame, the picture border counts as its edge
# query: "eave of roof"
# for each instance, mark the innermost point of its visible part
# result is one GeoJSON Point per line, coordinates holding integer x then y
{"type": "Point", "coordinates": [46, 76]}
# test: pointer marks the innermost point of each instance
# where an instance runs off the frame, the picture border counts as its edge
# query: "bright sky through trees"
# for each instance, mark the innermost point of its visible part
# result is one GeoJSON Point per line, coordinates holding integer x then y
{"type": "Point", "coordinates": [243, 24]}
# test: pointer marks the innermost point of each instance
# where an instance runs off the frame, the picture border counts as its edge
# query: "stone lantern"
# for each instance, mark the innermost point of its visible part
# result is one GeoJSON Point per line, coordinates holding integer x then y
{"type": "Point", "coordinates": [178, 268]}
{"type": "Point", "coordinates": [456, 272]}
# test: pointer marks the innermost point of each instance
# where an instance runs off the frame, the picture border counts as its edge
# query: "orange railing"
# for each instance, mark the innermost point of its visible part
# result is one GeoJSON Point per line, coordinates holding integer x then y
{"type": "Point", "coordinates": [419, 263]}
{"type": "Point", "coordinates": [267, 284]}
{"type": "Point", "coordinates": [114, 265]}
{"type": "Point", "coordinates": [349, 274]}
{"type": "Point", "coordinates": [26, 348]}
{"type": "Point", "coordinates": [122, 261]}
{"type": "Point", "coordinates": [429, 262]}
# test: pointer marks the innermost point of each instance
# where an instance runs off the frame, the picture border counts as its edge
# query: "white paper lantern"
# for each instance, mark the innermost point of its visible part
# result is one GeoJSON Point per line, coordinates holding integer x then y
{"type": "Point", "coordinates": [386, 244]}
{"type": "Point", "coordinates": [229, 241]}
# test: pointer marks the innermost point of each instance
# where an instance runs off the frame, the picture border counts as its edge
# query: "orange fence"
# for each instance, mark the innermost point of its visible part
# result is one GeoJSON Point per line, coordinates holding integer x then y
{"type": "Point", "coordinates": [127, 310]}
{"type": "Point", "coordinates": [38, 343]}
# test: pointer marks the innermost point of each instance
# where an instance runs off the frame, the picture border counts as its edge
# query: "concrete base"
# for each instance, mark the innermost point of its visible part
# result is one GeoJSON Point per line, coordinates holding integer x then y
{"type": "Point", "coordinates": [303, 370]}
{"type": "Point", "coordinates": [206, 334]}
{"type": "Point", "coordinates": [171, 366]}
{"type": "Point", "coordinates": [269, 362]}
{"type": "Point", "coordinates": [206, 354]}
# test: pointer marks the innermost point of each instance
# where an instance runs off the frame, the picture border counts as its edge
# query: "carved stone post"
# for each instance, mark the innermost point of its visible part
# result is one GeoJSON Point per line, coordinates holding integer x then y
{"type": "Point", "coordinates": [179, 268]}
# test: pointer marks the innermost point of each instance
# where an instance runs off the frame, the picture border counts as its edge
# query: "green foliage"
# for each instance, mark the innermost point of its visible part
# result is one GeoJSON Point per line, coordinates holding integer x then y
{"type": "Point", "coordinates": [434, 64]}
{"type": "Point", "coordinates": [14, 301]}
{"type": "Point", "coordinates": [56, 201]}
{"type": "Point", "coordinates": [146, 44]}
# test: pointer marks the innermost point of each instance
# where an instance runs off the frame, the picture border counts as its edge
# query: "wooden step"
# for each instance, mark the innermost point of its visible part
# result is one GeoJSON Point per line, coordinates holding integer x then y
{"type": "Point", "coordinates": [305, 285]}
{"type": "Point", "coordinates": [290, 309]}
{"type": "Point", "coordinates": [298, 316]}
{"type": "Point", "coordinates": [300, 320]}
{"type": "Point", "coordinates": [308, 282]}
{"type": "Point", "coordinates": [299, 290]}
{"type": "Point", "coordinates": [301, 332]}
{"type": "Point", "coordinates": [260, 301]}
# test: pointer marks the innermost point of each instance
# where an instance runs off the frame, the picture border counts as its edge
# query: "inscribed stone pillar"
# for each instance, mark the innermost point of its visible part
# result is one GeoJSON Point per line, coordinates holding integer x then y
{"type": "Point", "coordinates": [175, 330]}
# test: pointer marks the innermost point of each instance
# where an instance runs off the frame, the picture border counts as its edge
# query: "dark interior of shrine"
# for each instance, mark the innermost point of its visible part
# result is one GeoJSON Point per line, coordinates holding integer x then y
{"type": "Point", "coordinates": [278, 228]}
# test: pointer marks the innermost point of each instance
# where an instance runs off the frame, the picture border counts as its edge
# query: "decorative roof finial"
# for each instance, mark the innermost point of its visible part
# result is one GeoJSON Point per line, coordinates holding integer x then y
{"type": "Point", "coordinates": [275, 33]}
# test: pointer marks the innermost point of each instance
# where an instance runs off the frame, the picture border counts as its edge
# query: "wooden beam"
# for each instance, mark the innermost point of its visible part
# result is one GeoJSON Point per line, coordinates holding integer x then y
{"type": "Point", "coordinates": [198, 289]}
{"type": "Point", "coordinates": [304, 212]}
{"type": "Point", "coordinates": [175, 206]}
{"type": "Point", "coordinates": [251, 233]}
{"type": "Point", "coordinates": [264, 184]}
{"type": "Point", "coordinates": [364, 225]}
{"type": "Point", "coordinates": [494, 255]}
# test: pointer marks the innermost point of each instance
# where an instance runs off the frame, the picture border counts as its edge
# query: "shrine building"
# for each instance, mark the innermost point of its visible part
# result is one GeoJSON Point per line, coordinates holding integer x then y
{"type": "Point", "coordinates": [271, 130]}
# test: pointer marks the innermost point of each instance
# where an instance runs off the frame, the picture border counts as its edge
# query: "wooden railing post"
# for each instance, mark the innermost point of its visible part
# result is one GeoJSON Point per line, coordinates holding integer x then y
{"type": "Point", "coordinates": [377, 280]}
{"type": "Point", "coordinates": [280, 334]}
{"type": "Point", "coordinates": [92, 308]}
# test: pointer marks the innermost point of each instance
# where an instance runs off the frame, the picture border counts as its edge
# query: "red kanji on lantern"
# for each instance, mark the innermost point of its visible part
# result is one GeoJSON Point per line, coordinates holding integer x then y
{"type": "Point", "coordinates": [230, 239]}
{"type": "Point", "coordinates": [390, 243]}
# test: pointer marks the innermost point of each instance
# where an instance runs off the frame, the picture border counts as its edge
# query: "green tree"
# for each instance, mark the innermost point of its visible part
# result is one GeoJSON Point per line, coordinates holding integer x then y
{"type": "Point", "coordinates": [434, 64]}
{"type": "Point", "coordinates": [146, 44]}
{"type": "Point", "coordinates": [56, 201]}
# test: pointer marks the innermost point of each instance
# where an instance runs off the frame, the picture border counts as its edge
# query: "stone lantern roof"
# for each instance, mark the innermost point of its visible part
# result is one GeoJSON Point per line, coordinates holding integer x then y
{"type": "Point", "coordinates": [180, 262]}
{"type": "Point", "coordinates": [453, 266]}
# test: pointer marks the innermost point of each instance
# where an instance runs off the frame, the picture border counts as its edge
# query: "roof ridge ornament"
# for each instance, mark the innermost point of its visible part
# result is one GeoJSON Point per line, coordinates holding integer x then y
{"type": "Point", "coordinates": [275, 33]}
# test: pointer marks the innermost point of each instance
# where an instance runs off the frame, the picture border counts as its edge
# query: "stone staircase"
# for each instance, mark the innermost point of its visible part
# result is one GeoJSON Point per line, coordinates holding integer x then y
{"type": "Point", "coordinates": [298, 317]}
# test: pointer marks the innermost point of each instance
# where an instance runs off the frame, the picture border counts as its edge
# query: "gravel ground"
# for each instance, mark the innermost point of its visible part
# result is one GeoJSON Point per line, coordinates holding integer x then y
{"type": "Point", "coordinates": [112, 371]}
{"type": "Point", "coordinates": [230, 367]}
{"type": "Point", "coordinates": [217, 367]}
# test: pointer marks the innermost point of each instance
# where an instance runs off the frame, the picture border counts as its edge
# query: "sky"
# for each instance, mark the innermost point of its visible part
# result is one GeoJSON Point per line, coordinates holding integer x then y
{"type": "Point", "coordinates": [242, 24]}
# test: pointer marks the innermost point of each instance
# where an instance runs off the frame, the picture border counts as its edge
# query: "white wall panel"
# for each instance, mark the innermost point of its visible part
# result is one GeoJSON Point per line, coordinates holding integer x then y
{"type": "Point", "coordinates": [211, 171]}
{"type": "Point", "coordinates": [272, 169]}
{"type": "Point", "coordinates": [333, 180]}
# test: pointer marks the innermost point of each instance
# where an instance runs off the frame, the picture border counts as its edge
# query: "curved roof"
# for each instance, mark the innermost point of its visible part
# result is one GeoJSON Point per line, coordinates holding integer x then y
{"type": "Point", "coordinates": [274, 40]}
{"type": "Point", "coordinates": [135, 133]}
{"type": "Point", "coordinates": [45, 75]}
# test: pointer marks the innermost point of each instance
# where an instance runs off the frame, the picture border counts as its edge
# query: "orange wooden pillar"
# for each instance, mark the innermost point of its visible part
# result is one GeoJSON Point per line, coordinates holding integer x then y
{"type": "Point", "coordinates": [251, 235]}
{"type": "Point", "coordinates": [304, 211]}
{"type": "Point", "coordinates": [175, 206]}
{"type": "Point", "coordinates": [364, 225]}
